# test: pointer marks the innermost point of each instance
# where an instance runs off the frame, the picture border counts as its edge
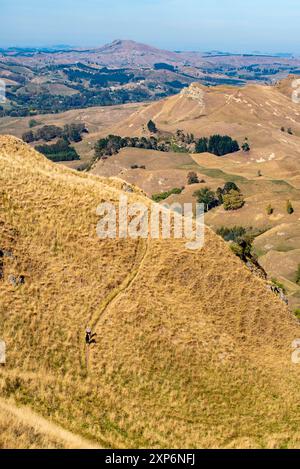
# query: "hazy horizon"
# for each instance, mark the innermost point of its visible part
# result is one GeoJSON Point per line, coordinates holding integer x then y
{"type": "Point", "coordinates": [227, 25]}
{"type": "Point", "coordinates": [57, 45]}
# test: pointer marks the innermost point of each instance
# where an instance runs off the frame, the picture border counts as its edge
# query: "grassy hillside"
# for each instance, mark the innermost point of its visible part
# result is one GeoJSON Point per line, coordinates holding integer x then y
{"type": "Point", "coordinates": [21, 428]}
{"type": "Point", "coordinates": [192, 350]}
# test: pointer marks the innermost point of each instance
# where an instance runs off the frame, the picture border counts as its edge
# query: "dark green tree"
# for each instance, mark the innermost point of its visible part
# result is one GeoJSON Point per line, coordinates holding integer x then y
{"type": "Point", "coordinates": [201, 145]}
{"type": "Point", "coordinates": [207, 197]}
{"type": "Point", "coordinates": [152, 127]}
{"type": "Point", "coordinates": [289, 207]}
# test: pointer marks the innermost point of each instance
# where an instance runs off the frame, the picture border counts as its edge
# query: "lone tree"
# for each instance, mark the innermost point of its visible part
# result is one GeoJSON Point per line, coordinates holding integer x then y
{"type": "Point", "coordinates": [207, 197]}
{"type": "Point", "coordinates": [270, 209]}
{"type": "Point", "coordinates": [246, 147]}
{"type": "Point", "coordinates": [152, 127]}
{"type": "Point", "coordinates": [289, 207]}
{"type": "Point", "coordinates": [230, 186]}
{"type": "Point", "coordinates": [192, 178]}
{"type": "Point", "coordinates": [233, 200]}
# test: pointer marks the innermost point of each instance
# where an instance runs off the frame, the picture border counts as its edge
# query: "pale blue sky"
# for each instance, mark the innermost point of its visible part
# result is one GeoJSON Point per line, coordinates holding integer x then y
{"type": "Point", "coordinates": [235, 25]}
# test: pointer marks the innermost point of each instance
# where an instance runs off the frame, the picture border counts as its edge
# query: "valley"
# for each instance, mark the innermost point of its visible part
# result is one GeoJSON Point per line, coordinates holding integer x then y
{"type": "Point", "coordinates": [268, 175]}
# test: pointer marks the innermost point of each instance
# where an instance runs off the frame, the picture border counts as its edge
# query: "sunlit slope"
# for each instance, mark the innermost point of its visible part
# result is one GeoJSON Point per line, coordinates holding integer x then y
{"type": "Point", "coordinates": [192, 350]}
{"type": "Point", "coordinates": [21, 428]}
{"type": "Point", "coordinates": [258, 112]}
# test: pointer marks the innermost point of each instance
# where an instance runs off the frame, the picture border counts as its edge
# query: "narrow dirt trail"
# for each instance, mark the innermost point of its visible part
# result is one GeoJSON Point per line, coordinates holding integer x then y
{"type": "Point", "coordinates": [116, 293]}
{"type": "Point", "coordinates": [30, 418]}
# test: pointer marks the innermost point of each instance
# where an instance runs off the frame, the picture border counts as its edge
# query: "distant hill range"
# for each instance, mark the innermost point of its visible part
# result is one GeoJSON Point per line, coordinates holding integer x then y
{"type": "Point", "coordinates": [60, 78]}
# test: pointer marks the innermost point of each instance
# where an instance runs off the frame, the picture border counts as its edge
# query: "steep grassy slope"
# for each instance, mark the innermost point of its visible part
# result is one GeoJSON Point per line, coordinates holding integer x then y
{"type": "Point", "coordinates": [192, 350]}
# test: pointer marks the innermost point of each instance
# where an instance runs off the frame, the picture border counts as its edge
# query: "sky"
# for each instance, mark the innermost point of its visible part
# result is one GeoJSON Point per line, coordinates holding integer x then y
{"type": "Point", "coordinates": [227, 25]}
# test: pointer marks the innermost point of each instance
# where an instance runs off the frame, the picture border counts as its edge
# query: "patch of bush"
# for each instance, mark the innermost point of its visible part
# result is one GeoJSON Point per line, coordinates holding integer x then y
{"type": "Point", "coordinates": [164, 195]}
{"type": "Point", "coordinates": [233, 200]}
{"type": "Point", "coordinates": [192, 178]}
{"type": "Point", "coordinates": [33, 123]}
{"type": "Point", "coordinates": [279, 285]}
{"type": "Point", "coordinates": [232, 234]}
{"type": "Point", "coordinates": [60, 151]}
{"type": "Point", "coordinates": [297, 313]}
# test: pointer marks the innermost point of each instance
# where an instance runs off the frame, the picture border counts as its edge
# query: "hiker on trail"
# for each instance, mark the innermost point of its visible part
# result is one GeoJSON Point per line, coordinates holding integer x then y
{"type": "Point", "coordinates": [88, 334]}
{"type": "Point", "coordinates": [89, 337]}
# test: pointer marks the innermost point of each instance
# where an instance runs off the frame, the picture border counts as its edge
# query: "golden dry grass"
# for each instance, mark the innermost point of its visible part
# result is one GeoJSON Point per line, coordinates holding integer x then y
{"type": "Point", "coordinates": [21, 428]}
{"type": "Point", "coordinates": [192, 349]}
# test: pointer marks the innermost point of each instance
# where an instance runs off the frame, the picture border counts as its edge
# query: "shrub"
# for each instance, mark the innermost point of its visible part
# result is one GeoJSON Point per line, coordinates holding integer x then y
{"type": "Point", "coordinates": [237, 250]}
{"type": "Point", "coordinates": [152, 127]}
{"type": "Point", "coordinates": [136, 166]}
{"type": "Point", "coordinates": [32, 123]}
{"type": "Point", "coordinates": [246, 147]}
{"type": "Point", "coordinates": [231, 234]}
{"type": "Point", "coordinates": [270, 209]}
{"type": "Point", "coordinates": [233, 200]}
{"type": "Point", "coordinates": [192, 178]}
{"type": "Point", "coordinates": [289, 207]}
{"type": "Point", "coordinates": [279, 285]}
{"type": "Point", "coordinates": [178, 148]}
{"type": "Point", "coordinates": [297, 313]}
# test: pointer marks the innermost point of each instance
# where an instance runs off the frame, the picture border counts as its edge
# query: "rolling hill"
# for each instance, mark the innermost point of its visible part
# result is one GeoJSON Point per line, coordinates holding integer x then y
{"type": "Point", "coordinates": [268, 175]}
{"type": "Point", "coordinates": [59, 79]}
{"type": "Point", "coordinates": [191, 350]}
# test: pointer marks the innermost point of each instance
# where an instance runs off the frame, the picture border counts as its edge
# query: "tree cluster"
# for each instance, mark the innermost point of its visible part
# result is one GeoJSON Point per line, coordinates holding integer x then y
{"type": "Point", "coordinates": [72, 132]}
{"type": "Point", "coordinates": [60, 151]}
{"type": "Point", "coordinates": [217, 144]}
{"type": "Point", "coordinates": [112, 144]}
{"type": "Point", "coordinates": [230, 196]}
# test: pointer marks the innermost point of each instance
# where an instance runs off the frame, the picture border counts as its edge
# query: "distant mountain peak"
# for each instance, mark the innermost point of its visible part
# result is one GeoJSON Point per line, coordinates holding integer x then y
{"type": "Point", "coordinates": [130, 45]}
